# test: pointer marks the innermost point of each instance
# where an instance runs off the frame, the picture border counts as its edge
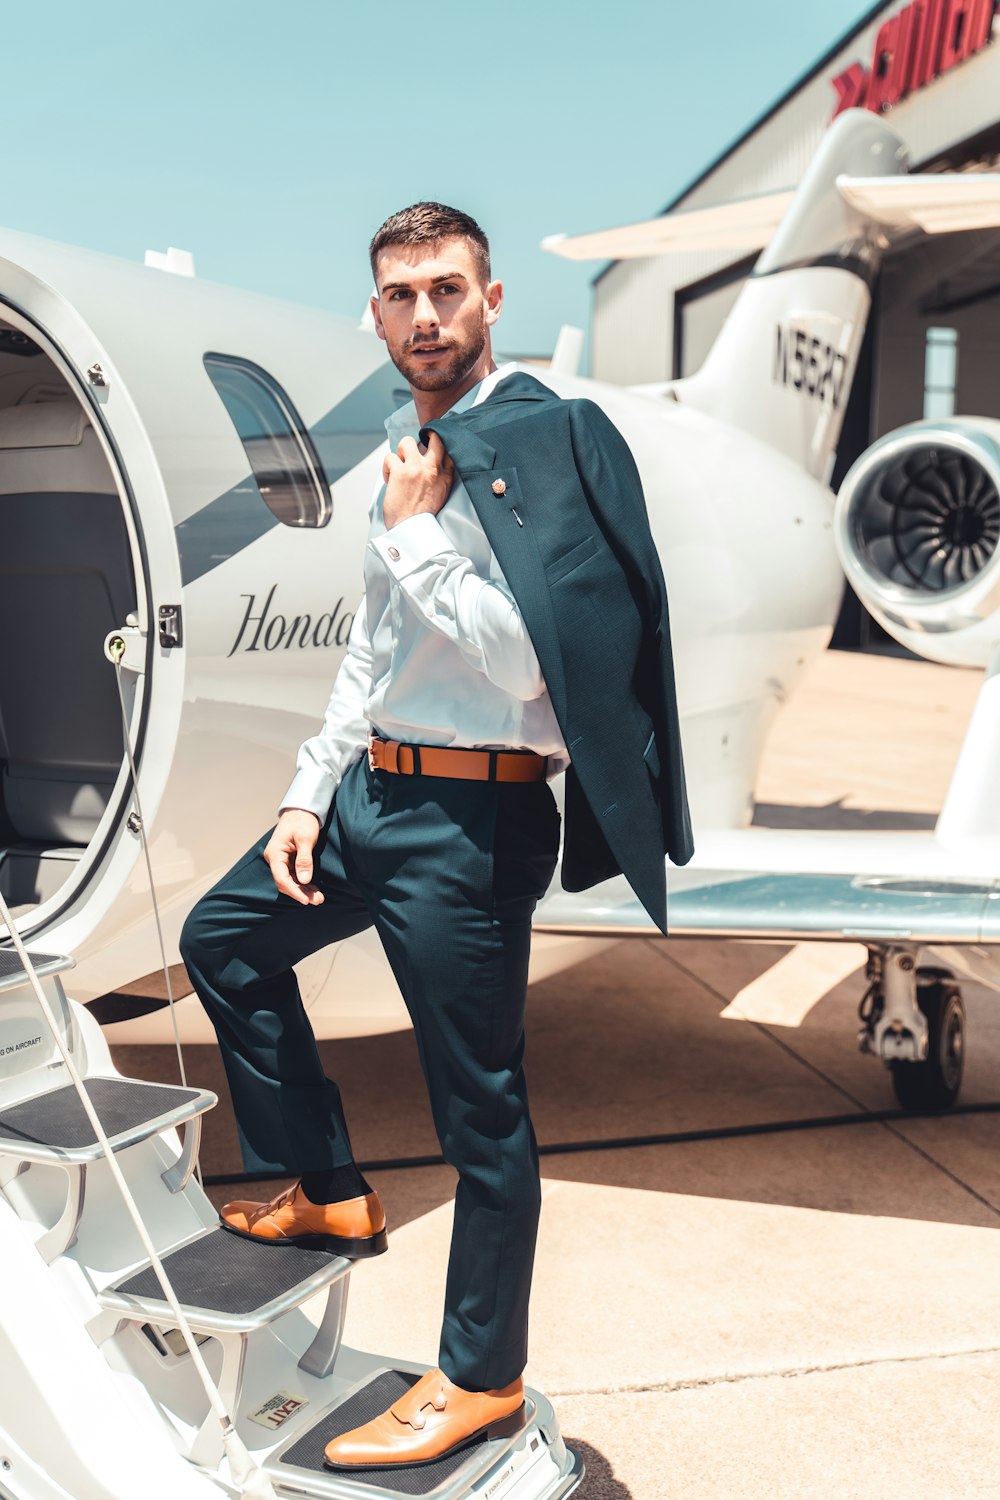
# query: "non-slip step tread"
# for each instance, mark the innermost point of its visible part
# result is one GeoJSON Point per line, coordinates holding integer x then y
{"type": "Point", "coordinates": [223, 1273]}
{"type": "Point", "coordinates": [13, 972]}
{"type": "Point", "coordinates": [58, 1120]}
{"type": "Point", "coordinates": [373, 1398]}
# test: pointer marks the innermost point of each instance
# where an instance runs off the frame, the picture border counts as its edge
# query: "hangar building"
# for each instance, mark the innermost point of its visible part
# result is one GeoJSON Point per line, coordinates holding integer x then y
{"type": "Point", "coordinates": [932, 67]}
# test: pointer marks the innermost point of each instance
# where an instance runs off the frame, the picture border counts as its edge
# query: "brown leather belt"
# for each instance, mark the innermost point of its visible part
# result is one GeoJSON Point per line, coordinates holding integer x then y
{"type": "Point", "coordinates": [462, 765]}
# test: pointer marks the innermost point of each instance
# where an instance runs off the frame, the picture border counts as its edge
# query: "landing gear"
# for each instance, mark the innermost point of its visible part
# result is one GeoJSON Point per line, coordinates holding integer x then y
{"type": "Point", "coordinates": [934, 1083]}
{"type": "Point", "coordinates": [914, 1020]}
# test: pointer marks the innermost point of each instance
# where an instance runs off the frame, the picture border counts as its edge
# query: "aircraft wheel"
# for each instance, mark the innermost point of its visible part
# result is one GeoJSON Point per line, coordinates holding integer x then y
{"type": "Point", "coordinates": [934, 1084]}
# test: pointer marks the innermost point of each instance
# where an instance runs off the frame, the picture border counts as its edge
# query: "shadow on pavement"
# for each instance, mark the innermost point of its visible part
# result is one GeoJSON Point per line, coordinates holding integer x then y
{"type": "Point", "coordinates": [599, 1482]}
{"type": "Point", "coordinates": [632, 1043]}
{"type": "Point", "coordinates": [836, 815]}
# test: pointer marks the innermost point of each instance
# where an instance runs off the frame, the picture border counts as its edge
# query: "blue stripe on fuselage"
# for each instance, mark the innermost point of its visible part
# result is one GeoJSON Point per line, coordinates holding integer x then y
{"type": "Point", "coordinates": [347, 433]}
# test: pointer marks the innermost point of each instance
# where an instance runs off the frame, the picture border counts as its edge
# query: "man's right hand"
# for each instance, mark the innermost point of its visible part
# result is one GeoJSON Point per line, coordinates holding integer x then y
{"type": "Point", "coordinates": [289, 855]}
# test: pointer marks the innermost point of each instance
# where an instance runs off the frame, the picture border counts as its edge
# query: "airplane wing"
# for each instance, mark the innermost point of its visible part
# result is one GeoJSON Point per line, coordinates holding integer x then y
{"type": "Point", "coordinates": [787, 885]}
{"type": "Point", "coordinates": [745, 224]}
{"type": "Point", "coordinates": [788, 907]}
{"type": "Point", "coordinates": [934, 202]}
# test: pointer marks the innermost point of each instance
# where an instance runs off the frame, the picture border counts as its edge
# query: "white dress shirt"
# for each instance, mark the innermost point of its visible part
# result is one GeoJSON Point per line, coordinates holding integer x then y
{"type": "Point", "coordinates": [438, 653]}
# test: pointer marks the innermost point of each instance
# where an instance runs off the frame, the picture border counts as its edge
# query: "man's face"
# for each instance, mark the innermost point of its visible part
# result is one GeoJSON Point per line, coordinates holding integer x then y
{"type": "Point", "coordinates": [433, 311]}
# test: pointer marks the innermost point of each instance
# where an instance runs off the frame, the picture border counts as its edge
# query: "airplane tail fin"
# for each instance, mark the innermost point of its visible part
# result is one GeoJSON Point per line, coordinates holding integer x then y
{"type": "Point", "coordinates": [783, 363]}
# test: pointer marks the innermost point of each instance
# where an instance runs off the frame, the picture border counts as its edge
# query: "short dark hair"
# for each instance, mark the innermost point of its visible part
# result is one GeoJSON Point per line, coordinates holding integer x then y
{"type": "Point", "coordinates": [429, 224]}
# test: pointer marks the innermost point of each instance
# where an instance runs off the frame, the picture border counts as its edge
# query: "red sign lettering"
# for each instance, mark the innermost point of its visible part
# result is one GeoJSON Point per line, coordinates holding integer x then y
{"type": "Point", "coordinates": [981, 28]}
{"type": "Point", "coordinates": [902, 58]}
{"type": "Point", "coordinates": [878, 95]}
{"type": "Point", "coordinates": [923, 69]}
{"type": "Point", "coordinates": [850, 86]}
{"type": "Point", "coordinates": [957, 28]}
{"type": "Point", "coordinates": [281, 1413]}
{"type": "Point", "coordinates": [918, 44]}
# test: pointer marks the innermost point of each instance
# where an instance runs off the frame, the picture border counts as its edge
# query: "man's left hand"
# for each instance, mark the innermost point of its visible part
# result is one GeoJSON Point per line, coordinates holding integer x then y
{"type": "Point", "coordinates": [418, 480]}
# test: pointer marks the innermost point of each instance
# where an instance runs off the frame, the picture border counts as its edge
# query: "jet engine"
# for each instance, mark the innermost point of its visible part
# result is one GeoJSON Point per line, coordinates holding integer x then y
{"type": "Point", "coordinates": [917, 527]}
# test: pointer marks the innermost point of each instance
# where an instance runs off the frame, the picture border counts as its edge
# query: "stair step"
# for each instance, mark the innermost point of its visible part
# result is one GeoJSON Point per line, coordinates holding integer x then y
{"type": "Point", "coordinates": [301, 1459]}
{"type": "Point", "coordinates": [13, 973]}
{"type": "Point", "coordinates": [225, 1283]}
{"type": "Point", "coordinates": [54, 1125]}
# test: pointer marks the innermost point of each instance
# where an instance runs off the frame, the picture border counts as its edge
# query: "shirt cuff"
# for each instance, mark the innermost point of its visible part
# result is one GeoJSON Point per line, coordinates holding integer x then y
{"type": "Point", "coordinates": [311, 790]}
{"type": "Point", "coordinates": [411, 544]}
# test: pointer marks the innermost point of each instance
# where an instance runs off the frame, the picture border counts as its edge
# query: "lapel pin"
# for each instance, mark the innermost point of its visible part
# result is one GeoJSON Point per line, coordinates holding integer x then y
{"type": "Point", "coordinates": [499, 487]}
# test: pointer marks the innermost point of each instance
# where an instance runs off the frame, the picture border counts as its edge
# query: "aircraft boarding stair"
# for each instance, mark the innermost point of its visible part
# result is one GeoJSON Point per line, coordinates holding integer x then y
{"type": "Point", "coordinates": [286, 1378]}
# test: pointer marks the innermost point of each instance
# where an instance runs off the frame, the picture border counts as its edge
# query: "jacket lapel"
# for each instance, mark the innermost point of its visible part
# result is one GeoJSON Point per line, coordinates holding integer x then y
{"type": "Point", "coordinates": [467, 450]}
{"type": "Point", "coordinates": [506, 519]}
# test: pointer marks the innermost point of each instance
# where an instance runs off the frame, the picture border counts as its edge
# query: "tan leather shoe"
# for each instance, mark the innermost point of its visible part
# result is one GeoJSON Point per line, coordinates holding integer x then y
{"type": "Point", "coordinates": [432, 1419]}
{"type": "Point", "coordinates": [354, 1228]}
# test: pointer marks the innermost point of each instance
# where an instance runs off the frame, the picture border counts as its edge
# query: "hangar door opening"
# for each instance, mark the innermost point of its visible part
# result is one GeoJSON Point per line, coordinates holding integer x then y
{"type": "Point", "coordinates": [937, 330]}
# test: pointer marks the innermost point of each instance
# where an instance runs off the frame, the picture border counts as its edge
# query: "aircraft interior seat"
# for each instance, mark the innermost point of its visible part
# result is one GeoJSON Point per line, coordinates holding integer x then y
{"type": "Point", "coordinates": [43, 390]}
{"type": "Point", "coordinates": [65, 581]}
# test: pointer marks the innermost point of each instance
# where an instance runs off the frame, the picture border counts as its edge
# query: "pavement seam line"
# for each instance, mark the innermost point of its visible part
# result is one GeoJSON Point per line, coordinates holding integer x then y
{"type": "Point", "coordinates": [793, 1372]}
{"type": "Point", "coordinates": [959, 1181]}
{"type": "Point", "coordinates": [765, 1030]}
{"type": "Point", "coordinates": [887, 1125]}
{"type": "Point", "coordinates": [779, 1042]}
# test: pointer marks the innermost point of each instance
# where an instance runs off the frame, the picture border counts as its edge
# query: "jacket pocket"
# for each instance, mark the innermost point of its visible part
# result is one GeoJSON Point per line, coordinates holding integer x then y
{"type": "Point", "coordinates": [567, 561]}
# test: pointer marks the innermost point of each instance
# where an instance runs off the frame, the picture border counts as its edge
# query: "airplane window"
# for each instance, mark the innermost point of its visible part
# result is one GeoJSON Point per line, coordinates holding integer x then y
{"type": "Point", "coordinates": [283, 460]}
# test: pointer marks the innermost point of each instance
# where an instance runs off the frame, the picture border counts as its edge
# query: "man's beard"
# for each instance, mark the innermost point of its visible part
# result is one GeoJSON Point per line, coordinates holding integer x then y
{"type": "Point", "coordinates": [452, 370]}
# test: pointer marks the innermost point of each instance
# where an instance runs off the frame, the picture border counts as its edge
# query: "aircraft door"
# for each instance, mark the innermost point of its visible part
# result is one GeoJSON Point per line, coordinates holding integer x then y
{"type": "Point", "coordinates": [67, 577]}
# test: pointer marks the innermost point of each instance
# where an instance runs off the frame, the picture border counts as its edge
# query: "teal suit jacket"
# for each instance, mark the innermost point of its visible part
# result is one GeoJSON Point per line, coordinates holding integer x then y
{"type": "Point", "coordinates": [569, 529]}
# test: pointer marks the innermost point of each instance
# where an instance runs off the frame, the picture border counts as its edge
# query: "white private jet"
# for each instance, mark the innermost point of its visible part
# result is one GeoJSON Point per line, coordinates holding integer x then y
{"type": "Point", "coordinates": [184, 480]}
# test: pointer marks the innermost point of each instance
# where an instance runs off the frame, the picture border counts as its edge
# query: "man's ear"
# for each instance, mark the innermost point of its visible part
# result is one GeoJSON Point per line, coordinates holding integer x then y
{"type": "Point", "coordinates": [493, 297]}
{"type": "Point", "coordinates": [377, 316]}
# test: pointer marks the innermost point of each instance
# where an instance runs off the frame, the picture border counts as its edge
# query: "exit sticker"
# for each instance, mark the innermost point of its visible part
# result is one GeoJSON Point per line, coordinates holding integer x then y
{"type": "Point", "coordinates": [277, 1409]}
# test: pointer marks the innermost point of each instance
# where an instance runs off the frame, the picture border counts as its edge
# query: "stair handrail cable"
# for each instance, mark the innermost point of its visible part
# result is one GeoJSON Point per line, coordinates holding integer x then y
{"type": "Point", "coordinates": [253, 1482]}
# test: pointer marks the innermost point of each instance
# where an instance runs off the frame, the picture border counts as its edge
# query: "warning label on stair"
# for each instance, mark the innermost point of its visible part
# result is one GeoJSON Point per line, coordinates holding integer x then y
{"type": "Point", "coordinates": [10, 1047]}
{"type": "Point", "coordinates": [22, 1044]}
{"type": "Point", "coordinates": [277, 1409]}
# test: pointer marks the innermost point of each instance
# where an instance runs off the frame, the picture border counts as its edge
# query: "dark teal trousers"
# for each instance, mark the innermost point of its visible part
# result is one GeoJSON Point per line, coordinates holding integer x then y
{"type": "Point", "coordinates": [449, 873]}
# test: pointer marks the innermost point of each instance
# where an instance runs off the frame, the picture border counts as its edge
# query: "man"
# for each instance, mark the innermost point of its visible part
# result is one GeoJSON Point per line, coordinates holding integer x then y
{"type": "Point", "coordinates": [514, 623]}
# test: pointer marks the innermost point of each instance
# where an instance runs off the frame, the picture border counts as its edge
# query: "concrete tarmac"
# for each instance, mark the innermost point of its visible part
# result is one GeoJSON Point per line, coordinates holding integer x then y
{"type": "Point", "coordinates": [787, 1309]}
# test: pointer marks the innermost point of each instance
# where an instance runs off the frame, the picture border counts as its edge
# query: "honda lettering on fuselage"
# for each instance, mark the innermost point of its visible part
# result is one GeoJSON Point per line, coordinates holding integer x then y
{"type": "Point", "coordinates": [264, 629]}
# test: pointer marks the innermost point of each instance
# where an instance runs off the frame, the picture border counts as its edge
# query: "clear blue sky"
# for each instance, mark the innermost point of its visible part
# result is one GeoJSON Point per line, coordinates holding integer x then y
{"type": "Point", "coordinates": [271, 139]}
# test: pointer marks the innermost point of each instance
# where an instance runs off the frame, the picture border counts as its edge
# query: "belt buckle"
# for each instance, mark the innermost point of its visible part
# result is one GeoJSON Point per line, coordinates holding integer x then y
{"type": "Point", "coordinates": [371, 753]}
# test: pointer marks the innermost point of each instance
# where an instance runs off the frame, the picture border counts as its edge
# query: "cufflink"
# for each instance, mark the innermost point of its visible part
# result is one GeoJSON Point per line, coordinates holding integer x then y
{"type": "Point", "coordinates": [394, 553]}
{"type": "Point", "coordinates": [499, 486]}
